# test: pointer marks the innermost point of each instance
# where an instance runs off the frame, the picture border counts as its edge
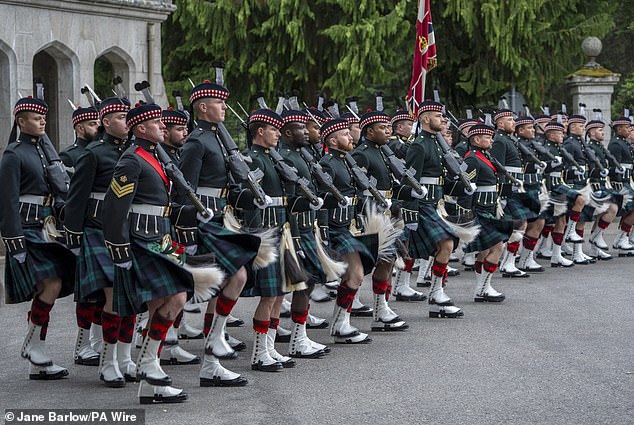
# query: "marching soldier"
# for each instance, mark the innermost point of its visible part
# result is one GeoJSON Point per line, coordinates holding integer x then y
{"type": "Point", "coordinates": [86, 125]}
{"type": "Point", "coordinates": [175, 133]}
{"type": "Point", "coordinates": [148, 269]}
{"type": "Point", "coordinates": [433, 236]}
{"type": "Point", "coordinates": [402, 123]}
{"type": "Point", "coordinates": [462, 143]}
{"type": "Point", "coordinates": [494, 231]}
{"type": "Point", "coordinates": [621, 182]}
{"type": "Point", "coordinates": [507, 153]}
{"type": "Point", "coordinates": [598, 181]}
{"type": "Point", "coordinates": [83, 221]}
{"type": "Point", "coordinates": [37, 267]}
{"type": "Point", "coordinates": [205, 163]}
{"type": "Point", "coordinates": [369, 156]}
{"type": "Point", "coordinates": [359, 253]}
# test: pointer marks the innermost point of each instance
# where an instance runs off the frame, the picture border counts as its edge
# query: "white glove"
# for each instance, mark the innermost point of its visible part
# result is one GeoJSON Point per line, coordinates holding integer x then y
{"type": "Point", "coordinates": [579, 172]}
{"type": "Point", "coordinates": [619, 170]}
{"type": "Point", "coordinates": [20, 258]}
{"type": "Point", "coordinates": [346, 202]}
{"type": "Point", "coordinates": [389, 203]}
{"type": "Point", "coordinates": [540, 168]}
{"type": "Point", "coordinates": [75, 251]}
{"type": "Point", "coordinates": [471, 189]}
{"type": "Point", "coordinates": [127, 265]}
{"type": "Point", "coordinates": [320, 203]}
{"type": "Point", "coordinates": [203, 219]}
{"type": "Point", "coordinates": [417, 195]}
{"type": "Point", "coordinates": [604, 172]}
{"type": "Point", "coordinates": [191, 249]}
{"type": "Point", "coordinates": [555, 163]}
{"type": "Point", "coordinates": [267, 201]}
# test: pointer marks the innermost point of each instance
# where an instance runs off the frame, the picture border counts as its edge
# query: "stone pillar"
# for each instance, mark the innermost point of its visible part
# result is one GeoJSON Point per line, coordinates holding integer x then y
{"type": "Point", "coordinates": [593, 85]}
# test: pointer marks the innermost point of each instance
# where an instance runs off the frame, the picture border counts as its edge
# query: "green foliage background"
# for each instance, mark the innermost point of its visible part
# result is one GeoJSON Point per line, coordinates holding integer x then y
{"type": "Point", "coordinates": [358, 47]}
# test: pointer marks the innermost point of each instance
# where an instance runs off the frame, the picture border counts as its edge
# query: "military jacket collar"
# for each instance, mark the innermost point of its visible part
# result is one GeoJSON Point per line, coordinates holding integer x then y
{"type": "Point", "coordinates": [109, 138]}
{"type": "Point", "coordinates": [337, 153]}
{"type": "Point", "coordinates": [206, 125]}
{"type": "Point", "coordinates": [146, 144]}
{"type": "Point", "coordinates": [27, 138]}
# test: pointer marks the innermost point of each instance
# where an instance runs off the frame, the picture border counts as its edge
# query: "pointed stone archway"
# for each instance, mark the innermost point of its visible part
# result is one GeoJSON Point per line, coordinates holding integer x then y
{"type": "Point", "coordinates": [57, 66]}
{"type": "Point", "coordinates": [112, 62]}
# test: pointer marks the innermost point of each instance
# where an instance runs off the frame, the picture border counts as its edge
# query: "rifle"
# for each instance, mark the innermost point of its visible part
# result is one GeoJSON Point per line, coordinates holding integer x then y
{"type": "Point", "coordinates": [288, 173]}
{"type": "Point", "coordinates": [364, 182]}
{"type": "Point", "coordinates": [593, 157]}
{"type": "Point", "coordinates": [617, 165]}
{"type": "Point", "coordinates": [398, 169]}
{"type": "Point", "coordinates": [239, 168]}
{"type": "Point", "coordinates": [571, 159]}
{"type": "Point", "coordinates": [502, 170]}
{"type": "Point", "coordinates": [323, 178]}
{"type": "Point", "coordinates": [453, 166]}
{"type": "Point", "coordinates": [171, 169]}
{"type": "Point", "coordinates": [527, 152]}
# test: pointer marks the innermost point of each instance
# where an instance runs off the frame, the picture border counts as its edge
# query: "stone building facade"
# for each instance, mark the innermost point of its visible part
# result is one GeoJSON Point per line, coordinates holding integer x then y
{"type": "Point", "coordinates": [58, 41]}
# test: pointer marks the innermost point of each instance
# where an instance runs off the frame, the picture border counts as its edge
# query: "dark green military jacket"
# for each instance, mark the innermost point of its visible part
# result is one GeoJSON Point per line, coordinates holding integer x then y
{"type": "Point", "coordinates": [400, 144]}
{"type": "Point", "coordinates": [71, 154]}
{"type": "Point", "coordinates": [483, 173]}
{"type": "Point", "coordinates": [425, 156]}
{"type": "Point", "coordinates": [573, 146]}
{"type": "Point", "coordinates": [621, 150]}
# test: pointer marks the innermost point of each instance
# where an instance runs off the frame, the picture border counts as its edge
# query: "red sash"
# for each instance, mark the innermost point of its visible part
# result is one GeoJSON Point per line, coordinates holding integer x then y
{"type": "Point", "coordinates": [485, 160]}
{"type": "Point", "coordinates": [150, 159]}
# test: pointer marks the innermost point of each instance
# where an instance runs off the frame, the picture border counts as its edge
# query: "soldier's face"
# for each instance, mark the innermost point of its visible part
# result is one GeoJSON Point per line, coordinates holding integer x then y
{"type": "Point", "coordinates": [175, 135]}
{"type": "Point", "coordinates": [446, 133]}
{"type": "Point", "coordinates": [355, 131]}
{"type": "Point", "coordinates": [313, 132]}
{"type": "Point", "coordinates": [115, 125]}
{"type": "Point", "coordinates": [526, 131]}
{"type": "Point", "coordinates": [597, 134]}
{"type": "Point", "coordinates": [630, 134]}
{"type": "Point", "coordinates": [152, 130]}
{"type": "Point", "coordinates": [404, 127]}
{"type": "Point", "coordinates": [432, 120]}
{"type": "Point", "coordinates": [270, 135]}
{"type": "Point", "coordinates": [483, 141]}
{"type": "Point", "coordinates": [32, 123]}
{"type": "Point", "coordinates": [342, 140]}
{"type": "Point", "coordinates": [213, 110]}
{"type": "Point", "coordinates": [622, 130]}
{"type": "Point", "coordinates": [378, 133]}
{"type": "Point", "coordinates": [576, 129]}
{"type": "Point", "coordinates": [87, 130]}
{"type": "Point", "coordinates": [506, 124]}
{"type": "Point", "coordinates": [556, 136]}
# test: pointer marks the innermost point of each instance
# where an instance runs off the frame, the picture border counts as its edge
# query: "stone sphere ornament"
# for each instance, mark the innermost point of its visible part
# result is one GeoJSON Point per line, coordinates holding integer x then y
{"type": "Point", "coordinates": [591, 47]}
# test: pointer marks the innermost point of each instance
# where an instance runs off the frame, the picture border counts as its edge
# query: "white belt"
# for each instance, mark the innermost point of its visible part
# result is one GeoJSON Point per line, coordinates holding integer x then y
{"type": "Point", "coordinates": [626, 166]}
{"type": "Point", "coordinates": [387, 194]}
{"type": "Point", "coordinates": [97, 195]}
{"type": "Point", "coordinates": [555, 174]}
{"type": "Point", "coordinates": [213, 192]}
{"type": "Point", "coordinates": [35, 199]}
{"type": "Point", "coordinates": [429, 180]}
{"type": "Point", "coordinates": [517, 170]}
{"type": "Point", "coordinates": [492, 188]}
{"type": "Point", "coordinates": [148, 209]}
{"type": "Point", "coordinates": [278, 201]}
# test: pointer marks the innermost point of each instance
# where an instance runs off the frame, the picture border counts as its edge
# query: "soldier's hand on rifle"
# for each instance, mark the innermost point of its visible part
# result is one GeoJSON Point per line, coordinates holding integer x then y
{"type": "Point", "coordinates": [202, 218]}
{"type": "Point", "coordinates": [604, 172]}
{"type": "Point", "coordinates": [267, 201]}
{"type": "Point", "coordinates": [555, 162]}
{"type": "Point", "coordinates": [421, 195]}
{"type": "Point", "coordinates": [320, 203]}
{"type": "Point", "coordinates": [619, 170]}
{"type": "Point", "coordinates": [471, 189]}
{"type": "Point", "coordinates": [125, 265]}
{"type": "Point", "coordinates": [579, 171]}
{"type": "Point", "coordinates": [20, 257]}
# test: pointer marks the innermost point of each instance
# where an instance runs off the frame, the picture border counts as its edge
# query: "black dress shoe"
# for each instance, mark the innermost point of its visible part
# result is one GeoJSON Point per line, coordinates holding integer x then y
{"type": "Point", "coordinates": [363, 311]}
{"type": "Point", "coordinates": [322, 325]}
{"type": "Point", "coordinates": [88, 361]}
{"type": "Point", "coordinates": [273, 367]}
{"type": "Point", "coordinates": [240, 381]}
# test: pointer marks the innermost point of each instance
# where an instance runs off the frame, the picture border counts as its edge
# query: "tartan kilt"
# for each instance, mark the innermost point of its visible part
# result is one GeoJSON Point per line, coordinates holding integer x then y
{"type": "Point", "coordinates": [343, 242]}
{"type": "Point", "coordinates": [311, 263]}
{"type": "Point", "coordinates": [266, 282]}
{"type": "Point", "coordinates": [493, 231]}
{"type": "Point", "coordinates": [523, 206]}
{"type": "Point", "coordinates": [571, 197]}
{"type": "Point", "coordinates": [43, 260]}
{"type": "Point", "coordinates": [431, 231]}
{"type": "Point", "coordinates": [153, 275]}
{"type": "Point", "coordinates": [232, 250]}
{"type": "Point", "coordinates": [95, 269]}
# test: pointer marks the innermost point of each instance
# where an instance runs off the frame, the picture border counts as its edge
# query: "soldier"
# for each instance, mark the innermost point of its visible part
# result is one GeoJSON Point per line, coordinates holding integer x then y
{"type": "Point", "coordinates": [205, 165]}
{"type": "Point", "coordinates": [578, 181]}
{"type": "Point", "coordinates": [85, 124]}
{"type": "Point", "coordinates": [402, 123]}
{"type": "Point", "coordinates": [507, 153]}
{"type": "Point", "coordinates": [269, 282]}
{"type": "Point", "coordinates": [494, 231]}
{"type": "Point", "coordinates": [554, 133]}
{"type": "Point", "coordinates": [433, 236]}
{"type": "Point", "coordinates": [598, 181]}
{"type": "Point", "coordinates": [149, 273]}
{"type": "Point", "coordinates": [37, 267]}
{"type": "Point", "coordinates": [369, 156]}
{"type": "Point", "coordinates": [355, 252]}
{"type": "Point", "coordinates": [316, 119]}
{"type": "Point", "coordinates": [540, 123]}
{"type": "Point", "coordinates": [462, 142]}
{"type": "Point", "coordinates": [621, 182]}
{"type": "Point", "coordinates": [294, 137]}
{"type": "Point", "coordinates": [174, 138]}
{"type": "Point", "coordinates": [83, 220]}
{"type": "Point", "coordinates": [525, 131]}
